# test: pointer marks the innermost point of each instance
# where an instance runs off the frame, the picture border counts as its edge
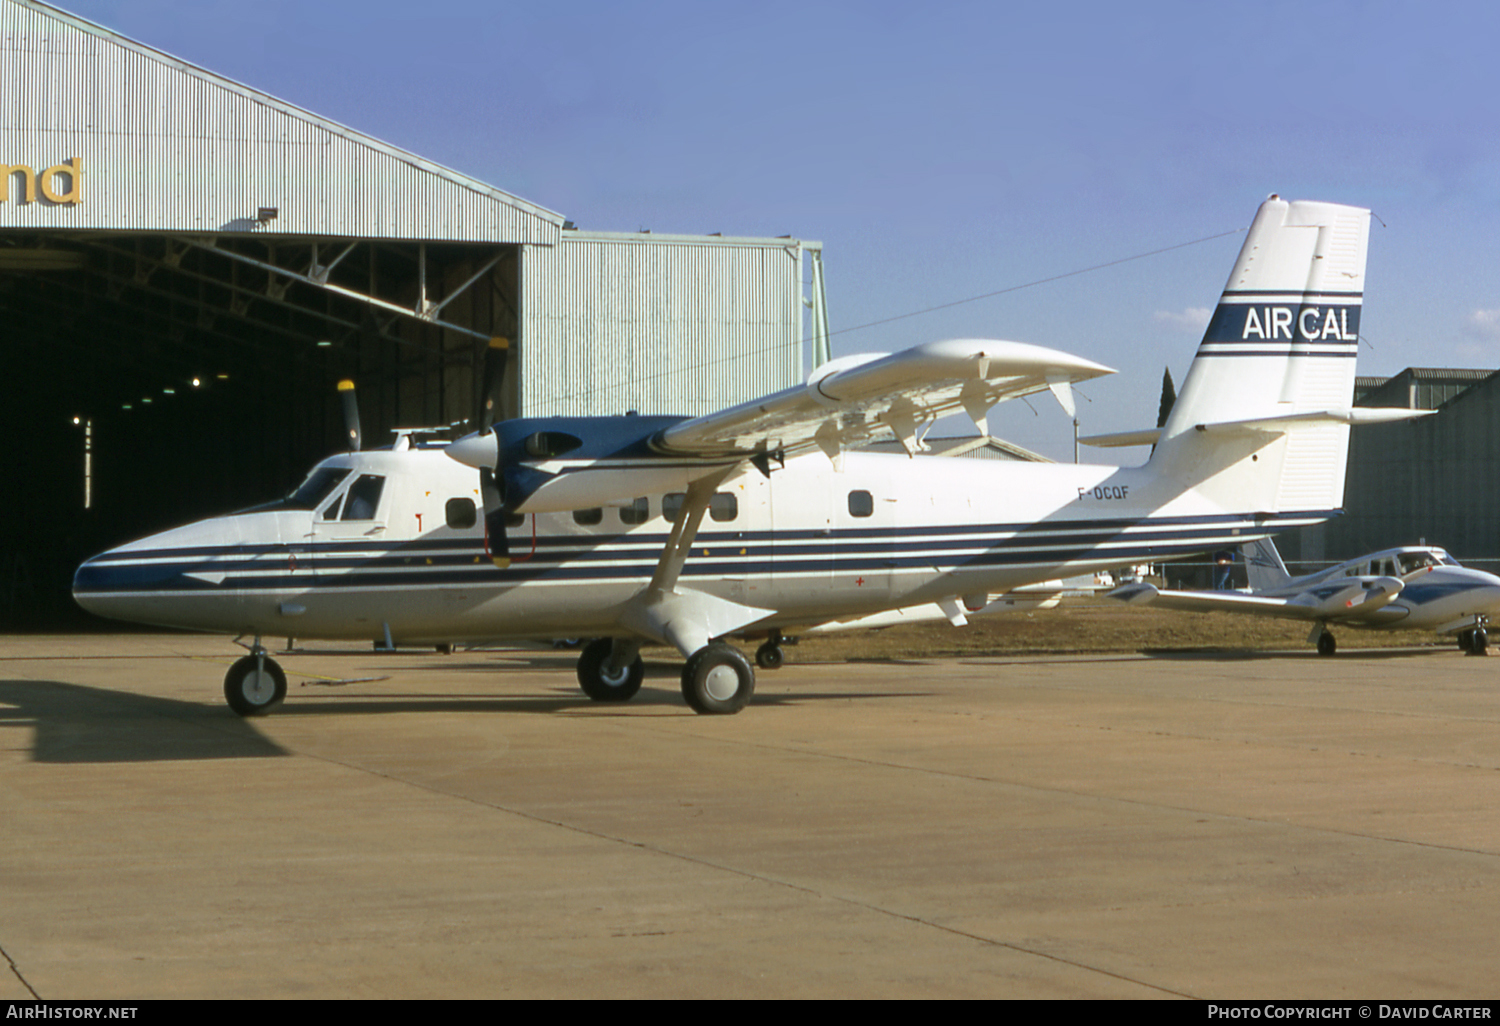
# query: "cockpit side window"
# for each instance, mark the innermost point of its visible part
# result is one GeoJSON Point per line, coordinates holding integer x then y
{"type": "Point", "coordinates": [364, 497]}
{"type": "Point", "coordinates": [332, 511]}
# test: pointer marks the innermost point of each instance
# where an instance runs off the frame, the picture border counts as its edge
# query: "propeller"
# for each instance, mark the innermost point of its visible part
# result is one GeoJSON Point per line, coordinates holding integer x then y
{"type": "Point", "coordinates": [351, 414]}
{"type": "Point", "coordinates": [491, 396]}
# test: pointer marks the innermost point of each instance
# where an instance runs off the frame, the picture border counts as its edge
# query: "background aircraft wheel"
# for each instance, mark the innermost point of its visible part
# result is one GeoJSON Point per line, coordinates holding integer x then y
{"type": "Point", "coordinates": [769, 656]}
{"type": "Point", "coordinates": [253, 687]}
{"type": "Point", "coordinates": [1479, 641]}
{"type": "Point", "coordinates": [1326, 645]}
{"type": "Point", "coordinates": [598, 683]}
{"type": "Point", "coordinates": [717, 680]}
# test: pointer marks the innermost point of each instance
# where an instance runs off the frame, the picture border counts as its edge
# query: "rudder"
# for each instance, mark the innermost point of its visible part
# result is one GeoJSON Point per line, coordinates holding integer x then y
{"type": "Point", "coordinates": [1282, 342]}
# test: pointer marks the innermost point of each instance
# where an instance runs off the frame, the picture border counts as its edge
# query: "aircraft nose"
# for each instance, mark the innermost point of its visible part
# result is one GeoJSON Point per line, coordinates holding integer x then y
{"type": "Point", "coordinates": [95, 581]}
{"type": "Point", "coordinates": [479, 450]}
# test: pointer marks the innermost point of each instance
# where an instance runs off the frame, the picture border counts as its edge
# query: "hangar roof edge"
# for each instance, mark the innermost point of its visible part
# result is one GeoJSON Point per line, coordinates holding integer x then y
{"type": "Point", "coordinates": [550, 217]}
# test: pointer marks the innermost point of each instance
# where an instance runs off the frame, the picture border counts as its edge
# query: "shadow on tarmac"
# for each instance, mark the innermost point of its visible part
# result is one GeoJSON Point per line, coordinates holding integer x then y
{"type": "Point", "coordinates": [72, 723]}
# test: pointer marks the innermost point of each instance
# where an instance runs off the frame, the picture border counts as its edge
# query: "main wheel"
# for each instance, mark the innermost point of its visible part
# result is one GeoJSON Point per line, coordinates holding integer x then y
{"type": "Point", "coordinates": [717, 680]}
{"type": "Point", "coordinates": [1326, 645]}
{"type": "Point", "coordinates": [601, 685]}
{"type": "Point", "coordinates": [254, 685]}
{"type": "Point", "coordinates": [1479, 642]}
{"type": "Point", "coordinates": [769, 656]}
{"type": "Point", "coordinates": [1466, 641]}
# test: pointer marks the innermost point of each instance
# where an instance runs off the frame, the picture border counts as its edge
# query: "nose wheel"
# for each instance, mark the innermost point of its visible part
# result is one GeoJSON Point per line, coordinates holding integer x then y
{"type": "Point", "coordinates": [1474, 642]}
{"type": "Point", "coordinates": [254, 685]}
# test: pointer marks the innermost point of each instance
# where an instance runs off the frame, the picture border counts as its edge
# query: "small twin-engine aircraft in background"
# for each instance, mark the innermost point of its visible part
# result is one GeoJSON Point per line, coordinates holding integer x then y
{"type": "Point", "coordinates": [757, 520]}
{"type": "Point", "coordinates": [1408, 588]}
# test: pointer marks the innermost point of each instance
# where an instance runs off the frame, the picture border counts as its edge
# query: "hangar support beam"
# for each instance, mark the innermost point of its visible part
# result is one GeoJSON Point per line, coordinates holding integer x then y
{"type": "Point", "coordinates": [423, 311]}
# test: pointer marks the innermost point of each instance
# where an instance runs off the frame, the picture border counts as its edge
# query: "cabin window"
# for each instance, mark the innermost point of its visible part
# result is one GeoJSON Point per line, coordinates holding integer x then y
{"type": "Point", "coordinates": [461, 514]}
{"type": "Point", "coordinates": [589, 517]}
{"type": "Point", "coordinates": [363, 498]}
{"type": "Point", "coordinates": [723, 506]}
{"type": "Point", "coordinates": [861, 504]}
{"type": "Point", "coordinates": [638, 512]}
{"type": "Point", "coordinates": [671, 505]}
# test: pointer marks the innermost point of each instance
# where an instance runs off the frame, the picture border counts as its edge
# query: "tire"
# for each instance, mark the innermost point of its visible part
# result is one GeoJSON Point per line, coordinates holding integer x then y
{"type": "Point", "coordinates": [769, 656]}
{"type": "Point", "coordinates": [717, 680]}
{"type": "Point", "coordinates": [597, 684]}
{"type": "Point", "coordinates": [1326, 645]}
{"type": "Point", "coordinates": [254, 686]}
{"type": "Point", "coordinates": [1466, 641]}
{"type": "Point", "coordinates": [1479, 642]}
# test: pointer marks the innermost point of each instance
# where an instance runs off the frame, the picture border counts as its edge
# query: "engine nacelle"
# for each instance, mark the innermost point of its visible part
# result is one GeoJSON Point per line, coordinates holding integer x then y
{"type": "Point", "coordinates": [555, 464]}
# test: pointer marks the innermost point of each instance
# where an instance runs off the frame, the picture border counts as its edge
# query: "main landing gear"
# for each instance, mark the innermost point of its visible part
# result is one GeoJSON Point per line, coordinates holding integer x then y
{"type": "Point", "coordinates": [717, 679]}
{"type": "Point", "coordinates": [255, 684]}
{"type": "Point", "coordinates": [610, 671]}
{"type": "Point", "coordinates": [1474, 642]}
{"type": "Point", "coordinates": [1326, 645]}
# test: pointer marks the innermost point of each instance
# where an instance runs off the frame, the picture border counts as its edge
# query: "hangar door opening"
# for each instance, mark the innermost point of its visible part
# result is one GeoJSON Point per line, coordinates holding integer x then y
{"type": "Point", "coordinates": [155, 379]}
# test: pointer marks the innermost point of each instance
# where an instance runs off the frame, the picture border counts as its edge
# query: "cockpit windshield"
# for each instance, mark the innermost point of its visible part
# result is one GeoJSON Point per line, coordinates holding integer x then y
{"type": "Point", "coordinates": [319, 484]}
{"type": "Point", "coordinates": [1410, 561]}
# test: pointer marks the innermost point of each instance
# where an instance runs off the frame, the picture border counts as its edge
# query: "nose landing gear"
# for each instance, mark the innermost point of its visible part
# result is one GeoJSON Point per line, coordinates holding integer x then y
{"type": "Point", "coordinates": [255, 684]}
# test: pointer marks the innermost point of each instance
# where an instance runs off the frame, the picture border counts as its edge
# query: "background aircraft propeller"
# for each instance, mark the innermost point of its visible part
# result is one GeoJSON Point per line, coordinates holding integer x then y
{"type": "Point", "coordinates": [351, 415]}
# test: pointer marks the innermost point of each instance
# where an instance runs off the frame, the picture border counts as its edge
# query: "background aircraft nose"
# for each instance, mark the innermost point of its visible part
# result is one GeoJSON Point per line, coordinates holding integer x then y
{"type": "Point", "coordinates": [479, 450]}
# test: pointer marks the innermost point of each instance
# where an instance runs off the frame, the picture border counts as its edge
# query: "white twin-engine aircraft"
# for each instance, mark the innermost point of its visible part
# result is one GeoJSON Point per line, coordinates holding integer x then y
{"type": "Point", "coordinates": [756, 520]}
{"type": "Point", "coordinates": [1415, 587]}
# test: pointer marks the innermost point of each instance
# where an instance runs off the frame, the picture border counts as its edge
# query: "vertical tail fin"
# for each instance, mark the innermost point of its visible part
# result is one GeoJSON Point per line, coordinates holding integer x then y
{"type": "Point", "coordinates": [1263, 565]}
{"type": "Point", "coordinates": [1281, 343]}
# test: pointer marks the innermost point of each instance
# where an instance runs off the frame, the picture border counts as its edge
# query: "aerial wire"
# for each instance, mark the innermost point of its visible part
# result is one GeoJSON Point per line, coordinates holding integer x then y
{"type": "Point", "coordinates": [760, 354]}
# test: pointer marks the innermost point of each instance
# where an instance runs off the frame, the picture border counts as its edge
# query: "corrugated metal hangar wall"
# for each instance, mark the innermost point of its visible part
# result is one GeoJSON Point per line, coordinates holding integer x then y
{"type": "Point", "coordinates": [188, 266]}
{"type": "Point", "coordinates": [1435, 478]}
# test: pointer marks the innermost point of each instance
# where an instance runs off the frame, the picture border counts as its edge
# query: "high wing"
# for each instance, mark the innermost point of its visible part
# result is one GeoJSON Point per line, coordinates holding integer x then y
{"type": "Point", "coordinates": [850, 400]}
{"type": "Point", "coordinates": [1345, 599]}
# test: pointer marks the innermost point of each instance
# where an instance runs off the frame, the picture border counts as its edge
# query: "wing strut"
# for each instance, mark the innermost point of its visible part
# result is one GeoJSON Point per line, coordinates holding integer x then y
{"type": "Point", "coordinates": [686, 619]}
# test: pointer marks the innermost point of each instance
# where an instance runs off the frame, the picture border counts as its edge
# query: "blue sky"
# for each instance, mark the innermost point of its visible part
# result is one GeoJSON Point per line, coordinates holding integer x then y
{"type": "Point", "coordinates": [944, 150]}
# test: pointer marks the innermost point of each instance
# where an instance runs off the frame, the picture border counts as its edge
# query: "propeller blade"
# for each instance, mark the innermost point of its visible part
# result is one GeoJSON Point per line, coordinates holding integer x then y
{"type": "Point", "coordinates": [495, 541]}
{"type": "Point", "coordinates": [351, 414]}
{"type": "Point", "coordinates": [491, 394]}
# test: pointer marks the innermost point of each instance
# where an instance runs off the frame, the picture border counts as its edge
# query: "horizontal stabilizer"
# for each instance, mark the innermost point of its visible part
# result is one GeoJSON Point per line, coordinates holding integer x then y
{"type": "Point", "coordinates": [1120, 439]}
{"type": "Point", "coordinates": [1357, 415]}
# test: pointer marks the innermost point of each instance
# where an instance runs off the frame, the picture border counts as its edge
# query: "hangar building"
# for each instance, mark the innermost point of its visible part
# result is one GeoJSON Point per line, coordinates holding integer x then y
{"type": "Point", "coordinates": [188, 266]}
{"type": "Point", "coordinates": [1432, 479]}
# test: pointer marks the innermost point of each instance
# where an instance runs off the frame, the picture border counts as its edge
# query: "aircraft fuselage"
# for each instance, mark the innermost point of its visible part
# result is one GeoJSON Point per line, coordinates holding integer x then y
{"type": "Point", "coordinates": [807, 544]}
